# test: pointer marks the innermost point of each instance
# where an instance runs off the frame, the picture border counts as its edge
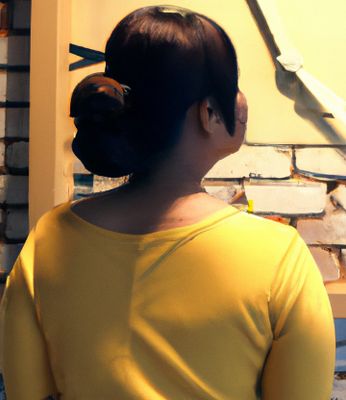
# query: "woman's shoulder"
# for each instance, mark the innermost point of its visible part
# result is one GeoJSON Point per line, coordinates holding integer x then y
{"type": "Point", "coordinates": [53, 218]}
{"type": "Point", "coordinates": [261, 227]}
{"type": "Point", "coordinates": [57, 211]}
{"type": "Point", "coordinates": [256, 236]}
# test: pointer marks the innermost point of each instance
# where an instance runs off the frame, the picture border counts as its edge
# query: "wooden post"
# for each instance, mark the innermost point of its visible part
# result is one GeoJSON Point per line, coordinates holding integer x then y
{"type": "Point", "coordinates": [50, 158]}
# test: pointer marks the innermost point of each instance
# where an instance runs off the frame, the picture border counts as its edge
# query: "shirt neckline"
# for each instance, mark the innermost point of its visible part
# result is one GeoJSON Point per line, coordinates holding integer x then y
{"type": "Point", "coordinates": [171, 233]}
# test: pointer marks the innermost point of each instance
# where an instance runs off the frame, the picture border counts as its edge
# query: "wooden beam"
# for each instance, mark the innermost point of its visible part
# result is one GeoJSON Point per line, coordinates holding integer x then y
{"type": "Point", "coordinates": [50, 158]}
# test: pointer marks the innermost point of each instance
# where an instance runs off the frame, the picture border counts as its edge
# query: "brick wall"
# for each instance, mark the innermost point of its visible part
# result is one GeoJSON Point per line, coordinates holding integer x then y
{"type": "Point", "coordinates": [301, 186]}
{"type": "Point", "coordinates": [14, 123]}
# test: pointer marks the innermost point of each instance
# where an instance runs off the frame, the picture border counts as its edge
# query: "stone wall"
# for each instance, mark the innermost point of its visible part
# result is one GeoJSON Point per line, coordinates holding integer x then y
{"type": "Point", "coordinates": [14, 128]}
{"type": "Point", "coordinates": [302, 186]}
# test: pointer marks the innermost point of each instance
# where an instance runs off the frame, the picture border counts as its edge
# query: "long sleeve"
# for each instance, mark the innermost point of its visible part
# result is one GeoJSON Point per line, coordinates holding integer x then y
{"type": "Point", "coordinates": [301, 362]}
{"type": "Point", "coordinates": [24, 361]}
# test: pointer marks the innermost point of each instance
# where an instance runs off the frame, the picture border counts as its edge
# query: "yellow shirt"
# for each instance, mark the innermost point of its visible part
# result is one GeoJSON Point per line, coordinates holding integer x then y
{"type": "Point", "coordinates": [230, 308]}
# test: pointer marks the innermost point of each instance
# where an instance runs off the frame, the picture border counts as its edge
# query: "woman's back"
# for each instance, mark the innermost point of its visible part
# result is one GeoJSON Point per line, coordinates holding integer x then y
{"type": "Point", "coordinates": [185, 313]}
{"type": "Point", "coordinates": [143, 298]}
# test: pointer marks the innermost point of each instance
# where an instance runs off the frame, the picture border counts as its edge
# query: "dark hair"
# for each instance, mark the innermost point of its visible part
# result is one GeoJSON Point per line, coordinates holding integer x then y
{"type": "Point", "coordinates": [168, 58]}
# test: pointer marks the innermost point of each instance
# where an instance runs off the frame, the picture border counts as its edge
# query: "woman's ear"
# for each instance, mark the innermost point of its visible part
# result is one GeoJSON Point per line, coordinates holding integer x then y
{"type": "Point", "coordinates": [208, 116]}
{"type": "Point", "coordinates": [241, 108]}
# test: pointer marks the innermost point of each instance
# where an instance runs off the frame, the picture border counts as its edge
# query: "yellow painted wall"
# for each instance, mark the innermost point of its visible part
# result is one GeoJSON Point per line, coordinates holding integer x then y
{"type": "Point", "coordinates": [315, 27]}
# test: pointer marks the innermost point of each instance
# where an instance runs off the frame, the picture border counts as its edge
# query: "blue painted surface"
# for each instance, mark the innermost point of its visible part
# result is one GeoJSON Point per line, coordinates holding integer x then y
{"type": "Point", "coordinates": [340, 333]}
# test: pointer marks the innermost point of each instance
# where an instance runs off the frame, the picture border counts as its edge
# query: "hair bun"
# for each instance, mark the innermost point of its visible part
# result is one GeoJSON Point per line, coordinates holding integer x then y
{"type": "Point", "coordinates": [97, 99]}
{"type": "Point", "coordinates": [101, 143]}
